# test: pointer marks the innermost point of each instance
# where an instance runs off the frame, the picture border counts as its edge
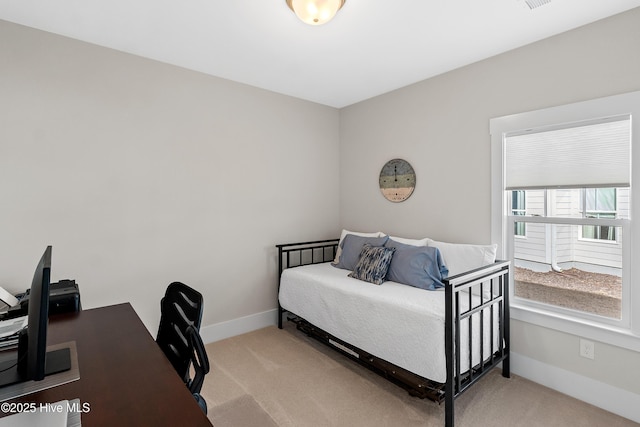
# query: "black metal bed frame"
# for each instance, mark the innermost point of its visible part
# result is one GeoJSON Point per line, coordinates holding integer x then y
{"type": "Point", "coordinates": [491, 282]}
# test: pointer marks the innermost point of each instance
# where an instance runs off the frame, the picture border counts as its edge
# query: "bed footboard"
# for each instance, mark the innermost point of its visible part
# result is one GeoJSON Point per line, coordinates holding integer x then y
{"type": "Point", "coordinates": [492, 284]}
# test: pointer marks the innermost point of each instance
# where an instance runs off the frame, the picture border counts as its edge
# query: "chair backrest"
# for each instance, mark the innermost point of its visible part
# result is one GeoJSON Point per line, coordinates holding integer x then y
{"type": "Point", "coordinates": [199, 360]}
{"type": "Point", "coordinates": [181, 307]}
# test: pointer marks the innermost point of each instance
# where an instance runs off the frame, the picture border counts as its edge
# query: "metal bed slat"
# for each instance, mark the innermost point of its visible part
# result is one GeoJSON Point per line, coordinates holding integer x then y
{"type": "Point", "coordinates": [478, 308]}
{"type": "Point", "coordinates": [491, 324]}
{"type": "Point", "coordinates": [463, 287]}
{"type": "Point", "coordinates": [482, 361]}
{"type": "Point", "coordinates": [470, 335]}
{"type": "Point", "coordinates": [457, 332]}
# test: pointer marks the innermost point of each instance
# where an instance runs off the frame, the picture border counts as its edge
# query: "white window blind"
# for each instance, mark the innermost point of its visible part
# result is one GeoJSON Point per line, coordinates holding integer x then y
{"type": "Point", "coordinates": [594, 154]}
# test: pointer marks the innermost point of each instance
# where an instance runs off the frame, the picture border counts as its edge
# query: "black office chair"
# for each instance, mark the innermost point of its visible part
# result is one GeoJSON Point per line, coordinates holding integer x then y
{"type": "Point", "coordinates": [200, 363]}
{"type": "Point", "coordinates": [181, 307]}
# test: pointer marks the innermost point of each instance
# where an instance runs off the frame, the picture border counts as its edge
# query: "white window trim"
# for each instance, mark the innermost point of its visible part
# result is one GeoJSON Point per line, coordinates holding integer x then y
{"type": "Point", "coordinates": [628, 335]}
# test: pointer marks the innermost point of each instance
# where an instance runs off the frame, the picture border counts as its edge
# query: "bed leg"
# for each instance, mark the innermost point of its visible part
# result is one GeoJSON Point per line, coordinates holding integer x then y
{"type": "Point", "coordinates": [280, 311]}
{"type": "Point", "coordinates": [450, 325]}
{"type": "Point", "coordinates": [448, 410]}
{"type": "Point", "coordinates": [506, 368]}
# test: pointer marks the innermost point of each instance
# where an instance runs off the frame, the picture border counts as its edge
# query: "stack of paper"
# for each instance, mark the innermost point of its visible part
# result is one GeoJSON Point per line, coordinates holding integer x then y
{"type": "Point", "coordinates": [9, 330]}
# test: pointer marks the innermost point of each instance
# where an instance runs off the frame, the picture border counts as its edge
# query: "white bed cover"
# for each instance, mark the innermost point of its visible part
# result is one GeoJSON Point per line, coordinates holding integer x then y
{"type": "Point", "coordinates": [397, 323]}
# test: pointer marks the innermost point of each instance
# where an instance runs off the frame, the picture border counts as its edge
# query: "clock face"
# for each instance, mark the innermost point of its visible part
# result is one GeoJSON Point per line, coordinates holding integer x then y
{"type": "Point", "coordinates": [397, 180]}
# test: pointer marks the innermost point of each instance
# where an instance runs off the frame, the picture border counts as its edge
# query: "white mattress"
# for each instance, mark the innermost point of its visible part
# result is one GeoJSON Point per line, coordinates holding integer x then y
{"type": "Point", "coordinates": [398, 323]}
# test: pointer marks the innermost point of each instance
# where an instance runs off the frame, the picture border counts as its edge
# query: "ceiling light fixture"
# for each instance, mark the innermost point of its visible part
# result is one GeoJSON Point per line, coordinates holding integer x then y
{"type": "Point", "coordinates": [315, 12]}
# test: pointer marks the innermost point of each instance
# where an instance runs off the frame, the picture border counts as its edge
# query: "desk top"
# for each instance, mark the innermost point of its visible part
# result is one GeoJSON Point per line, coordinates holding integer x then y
{"type": "Point", "coordinates": [125, 379]}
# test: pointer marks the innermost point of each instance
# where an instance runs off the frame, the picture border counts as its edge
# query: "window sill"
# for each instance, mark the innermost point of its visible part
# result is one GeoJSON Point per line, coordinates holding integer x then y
{"type": "Point", "coordinates": [598, 241]}
{"type": "Point", "coordinates": [580, 327]}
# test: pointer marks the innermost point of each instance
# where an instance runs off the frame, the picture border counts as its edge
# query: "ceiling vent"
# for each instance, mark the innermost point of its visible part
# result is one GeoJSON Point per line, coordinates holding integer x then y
{"type": "Point", "coordinates": [536, 3]}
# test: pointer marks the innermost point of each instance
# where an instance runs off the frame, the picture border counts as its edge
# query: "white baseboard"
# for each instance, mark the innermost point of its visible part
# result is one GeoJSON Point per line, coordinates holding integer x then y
{"type": "Point", "coordinates": [605, 396]}
{"type": "Point", "coordinates": [242, 325]}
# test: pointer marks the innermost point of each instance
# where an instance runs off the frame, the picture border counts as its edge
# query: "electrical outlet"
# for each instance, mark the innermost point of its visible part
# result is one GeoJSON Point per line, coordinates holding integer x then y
{"type": "Point", "coordinates": [587, 349]}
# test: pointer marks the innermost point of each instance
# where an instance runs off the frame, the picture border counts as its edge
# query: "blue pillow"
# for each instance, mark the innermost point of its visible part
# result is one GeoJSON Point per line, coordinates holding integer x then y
{"type": "Point", "coordinates": [418, 266]}
{"type": "Point", "coordinates": [373, 264]}
{"type": "Point", "coordinates": [351, 248]}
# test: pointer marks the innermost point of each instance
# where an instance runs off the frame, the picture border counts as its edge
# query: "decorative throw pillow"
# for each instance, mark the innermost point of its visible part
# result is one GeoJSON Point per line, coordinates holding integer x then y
{"type": "Point", "coordinates": [412, 242]}
{"type": "Point", "coordinates": [373, 264]}
{"type": "Point", "coordinates": [357, 233]}
{"type": "Point", "coordinates": [418, 266]}
{"type": "Point", "coordinates": [461, 258]}
{"type": "Point", "coordinates": [351, 248]}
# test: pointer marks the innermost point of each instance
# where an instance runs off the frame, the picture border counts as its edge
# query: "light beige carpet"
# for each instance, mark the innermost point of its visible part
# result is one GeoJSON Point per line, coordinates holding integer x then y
{"type": "Point", "coordinates": [274, 377]}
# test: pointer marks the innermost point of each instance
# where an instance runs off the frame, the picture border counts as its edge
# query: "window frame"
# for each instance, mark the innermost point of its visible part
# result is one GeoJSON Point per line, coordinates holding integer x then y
{"type": "Point", "coordinates": [625, 334]}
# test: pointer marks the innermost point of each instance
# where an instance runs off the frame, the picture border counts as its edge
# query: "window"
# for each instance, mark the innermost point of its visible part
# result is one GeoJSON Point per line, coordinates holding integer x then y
{"type": "Point", "coordinates": [599, 203]}
{"type": "Point", "coordinates": [518, 208]}
{"type": "Point", "coordinates": [561, 211]}
{"type": "Point", "coordinates": [555, 269]}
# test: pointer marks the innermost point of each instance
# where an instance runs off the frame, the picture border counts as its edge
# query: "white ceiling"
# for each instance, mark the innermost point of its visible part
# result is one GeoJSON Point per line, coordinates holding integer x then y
{"type": "Point", "coordinates": [371, 47]}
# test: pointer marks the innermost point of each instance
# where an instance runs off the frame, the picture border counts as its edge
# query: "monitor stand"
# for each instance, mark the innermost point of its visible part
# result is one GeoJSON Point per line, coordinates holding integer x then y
{"type": "Point", "coordinates": [24, 388]}
{"type": "Point", "coordinates": [56, 361]}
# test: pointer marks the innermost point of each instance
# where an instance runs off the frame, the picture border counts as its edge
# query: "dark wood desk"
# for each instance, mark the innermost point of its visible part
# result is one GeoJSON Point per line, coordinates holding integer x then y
{"type": "Point", "coordinates": [124, 377]}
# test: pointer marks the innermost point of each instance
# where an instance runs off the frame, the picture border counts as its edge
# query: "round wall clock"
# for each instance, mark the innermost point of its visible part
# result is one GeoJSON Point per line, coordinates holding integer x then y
{"type": "Point", "coordinates": [397, 180]}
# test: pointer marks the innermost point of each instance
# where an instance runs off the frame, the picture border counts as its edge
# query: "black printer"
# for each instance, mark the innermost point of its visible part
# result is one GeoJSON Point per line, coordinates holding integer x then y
{"type": "Point", "coordinates": [64, 297]}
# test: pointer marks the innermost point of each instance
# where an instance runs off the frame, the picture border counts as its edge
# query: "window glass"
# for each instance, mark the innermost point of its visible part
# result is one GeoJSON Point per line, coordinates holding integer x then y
{"type": "Point", "coordinates": [555, 268]}
{"type": "Point", "coordinates": [599, 203]}
{"type": "Point", "coordinates": [518, 208]}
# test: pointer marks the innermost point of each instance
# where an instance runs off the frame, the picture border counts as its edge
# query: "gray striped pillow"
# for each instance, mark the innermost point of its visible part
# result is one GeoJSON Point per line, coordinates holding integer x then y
{"type": "Point", "coordinates": [373, 264]}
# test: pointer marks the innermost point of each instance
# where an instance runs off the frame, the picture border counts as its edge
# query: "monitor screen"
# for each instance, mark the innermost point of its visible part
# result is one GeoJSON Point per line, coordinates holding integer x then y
{"type": "Point", "coordinates": [38, 319]}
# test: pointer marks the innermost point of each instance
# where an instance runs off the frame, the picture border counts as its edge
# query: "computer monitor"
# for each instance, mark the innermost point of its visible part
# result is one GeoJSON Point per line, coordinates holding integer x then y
{"type": "Point", "coordinates": [33, 362]}
{"type": "Point", "coordinates": [32, 359]}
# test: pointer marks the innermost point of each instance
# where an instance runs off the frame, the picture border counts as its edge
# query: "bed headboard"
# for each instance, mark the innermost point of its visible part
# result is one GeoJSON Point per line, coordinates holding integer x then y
{"type": "Point", "coordinates": [304, 253]}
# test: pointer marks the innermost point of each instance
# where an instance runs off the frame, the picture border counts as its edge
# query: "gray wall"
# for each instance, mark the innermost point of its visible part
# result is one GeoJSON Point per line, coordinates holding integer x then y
{"type": "Point", "coordinates": [140, 173]}
{"type": "Point", "coordinates": [441, 126]}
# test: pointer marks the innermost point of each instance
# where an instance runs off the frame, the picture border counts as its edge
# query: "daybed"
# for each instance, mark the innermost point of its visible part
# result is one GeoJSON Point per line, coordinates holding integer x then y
{"type": "Point", "coordinates": [432, 317]}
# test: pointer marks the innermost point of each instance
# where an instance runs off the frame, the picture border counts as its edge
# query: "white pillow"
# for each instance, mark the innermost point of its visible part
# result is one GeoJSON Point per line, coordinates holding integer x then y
{"type": "Point", "coordinates": [357, 233]}
{"type": "Point", "coordinates": [412, 242]}
{"type": "Point", "coordinates": [460, 258]}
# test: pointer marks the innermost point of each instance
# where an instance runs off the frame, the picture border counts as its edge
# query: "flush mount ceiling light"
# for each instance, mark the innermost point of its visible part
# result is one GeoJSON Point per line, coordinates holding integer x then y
{"type": "Point", "coordinates": [315, 12]}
